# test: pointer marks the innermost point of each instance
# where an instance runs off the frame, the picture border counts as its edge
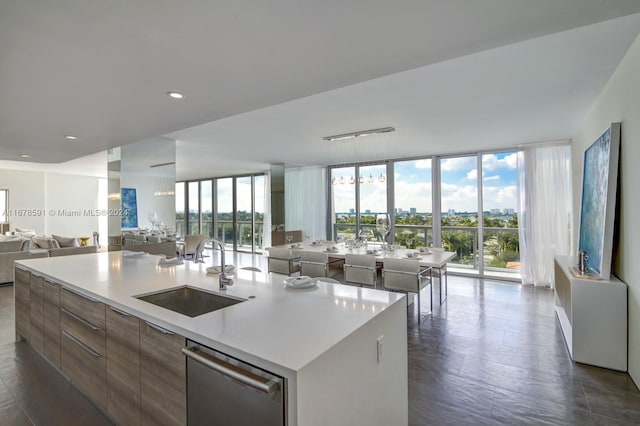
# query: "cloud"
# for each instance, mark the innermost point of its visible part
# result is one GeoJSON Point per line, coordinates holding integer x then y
{"type": "Point", "coordinates": [423, 164]}
{"type": "Point", "coordinates": [458, 163]}
{"type": "Point", "coordinates": [496, 197]}
{"type": "Point", "coordinates": [472, 174]}
{"type": "Point", "coordinates": [496, 177]}
{"type": "Point", "coordinates": [491, 162]}
{"type": "Point", "coordinates": [460, 198]}
{"type": "Point", "coordinates": [416, 195]}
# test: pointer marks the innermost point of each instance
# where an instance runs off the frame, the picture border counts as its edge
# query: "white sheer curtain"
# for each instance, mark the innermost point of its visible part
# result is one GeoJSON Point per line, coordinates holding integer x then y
{"type": "Point", "coordinates": [545, 210]}
{"type": "Point", "coordinates": [266, 227]}
{"type": "Point", "coordinates": [306, 201]}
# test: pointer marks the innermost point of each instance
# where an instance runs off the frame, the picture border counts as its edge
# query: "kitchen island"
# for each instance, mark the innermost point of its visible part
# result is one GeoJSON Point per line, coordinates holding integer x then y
{"type": "Point", "coordinates": [341, 350]}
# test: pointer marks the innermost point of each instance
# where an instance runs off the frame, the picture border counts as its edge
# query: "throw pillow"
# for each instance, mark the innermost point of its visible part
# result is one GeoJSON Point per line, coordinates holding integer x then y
{"type": "Point", "coordinates": [44, 242]}
{"type": "Point", "coordinates": [66, 241]}
{"type": "Point", "coordinates": [25, 231]}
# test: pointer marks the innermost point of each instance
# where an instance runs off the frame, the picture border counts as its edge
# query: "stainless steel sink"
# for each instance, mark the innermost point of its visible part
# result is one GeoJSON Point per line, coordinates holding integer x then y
{"type": "Point", "coordinates": [189, 301]}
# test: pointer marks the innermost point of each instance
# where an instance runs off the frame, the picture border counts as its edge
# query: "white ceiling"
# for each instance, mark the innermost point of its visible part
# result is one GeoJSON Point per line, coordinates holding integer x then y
{"type": "Point", "coordinates": [272, 78]}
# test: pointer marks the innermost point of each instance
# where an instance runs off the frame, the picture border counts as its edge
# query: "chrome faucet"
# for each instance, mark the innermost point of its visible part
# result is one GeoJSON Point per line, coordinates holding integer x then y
{"type": "Point", "coordinates": [223, 279]}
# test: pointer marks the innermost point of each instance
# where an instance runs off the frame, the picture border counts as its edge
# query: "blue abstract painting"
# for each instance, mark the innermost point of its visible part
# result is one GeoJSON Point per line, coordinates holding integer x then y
{"type": "Point", "coordinates": [593, 213]}
{"type": "Point", "coordinates": [130, 208]}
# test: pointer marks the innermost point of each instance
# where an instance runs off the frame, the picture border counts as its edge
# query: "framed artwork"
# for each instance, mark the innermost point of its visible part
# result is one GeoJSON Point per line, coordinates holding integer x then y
{"type": "Point", "coordinates": [597, 212]}
{"type": "Point", "coordinates": [130, 208]}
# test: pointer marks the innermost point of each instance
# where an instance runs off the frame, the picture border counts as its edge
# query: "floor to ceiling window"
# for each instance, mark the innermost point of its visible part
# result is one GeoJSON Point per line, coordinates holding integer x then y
{"type": "Point", "coordinates": [501, 248]}
{"type": "Point", "coordinates": [258, 209]}
{"type": "Point", "coordinates": [459, 209]}
{"type": "Point", "coordinates": [372, 198]}
{"type": "Point", "coordinates": [224, 211]}
{"type": "Point", "coordinates": [465, 204]}
{"type": "Point", "coordinates": [244, 213]}
{"type": "Point", "coordinates": [181, 229]}
{"type": "Point", "coordinates": [230, 209]}
{"type": "Point", "coordinates": [193, 204]}
{"type": "Point", "coordinates": [206, 207]}
{"type": "Point", "coordinates": [343, 185]}
{"type": "Point", "coordinates": [413, 222]}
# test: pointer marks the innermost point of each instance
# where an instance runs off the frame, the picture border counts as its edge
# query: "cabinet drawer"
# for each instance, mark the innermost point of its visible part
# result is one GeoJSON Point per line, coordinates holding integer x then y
{"type": "Point", "coordinates": [123, 367]}
{"type": "Point", "coordinates": [22, 275]}
{"type": "Point", "coordinates": [52, 322]}
{"type": "Point", "coordinates": [163, 377]}
{"type": "Point", "coordinates": [22, 299]}
{"type": "Point", "coordinates": [89, 334]}
{"type": "Point", "coordinates": [86, 369]}
{"type": "Point", "coordinates": [36, 338]}
{"type": "Point", "coordinates": [85, 307]}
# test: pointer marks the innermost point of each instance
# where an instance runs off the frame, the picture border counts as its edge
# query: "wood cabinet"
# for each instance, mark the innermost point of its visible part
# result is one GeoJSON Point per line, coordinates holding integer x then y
{"type": "Point", "coordinates": [163, 376]}
{"type": "Point", "coordinates": [83, 345]}
{"type": "Point", "coordinates": [123, 367]}
{"type": "Point", "coordinates": [51, 302]}
{"type": "Point", "coordinates": [133, 370]}
{"type": "Point", "coordinates": [593, 316]}
{"type": "Point", "coordinates": [36, 316]}
{"type": "Point", "coordinates": [22, 290]}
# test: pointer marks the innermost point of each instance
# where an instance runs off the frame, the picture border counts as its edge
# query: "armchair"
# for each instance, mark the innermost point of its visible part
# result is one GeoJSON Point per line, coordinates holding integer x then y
{"type": "Point", "coordinates": [283, 261]}
{"type": "Point", "coordinates": [361, 269]}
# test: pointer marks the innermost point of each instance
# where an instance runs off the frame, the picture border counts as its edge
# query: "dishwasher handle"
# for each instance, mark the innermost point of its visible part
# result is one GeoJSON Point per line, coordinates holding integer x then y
{"type": "Point", "coordinates": [269, 387]}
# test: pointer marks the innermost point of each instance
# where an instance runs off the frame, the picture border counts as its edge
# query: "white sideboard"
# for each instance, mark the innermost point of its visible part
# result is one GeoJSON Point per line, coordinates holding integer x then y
{"type": "Point", "coordinates": [593, 316]}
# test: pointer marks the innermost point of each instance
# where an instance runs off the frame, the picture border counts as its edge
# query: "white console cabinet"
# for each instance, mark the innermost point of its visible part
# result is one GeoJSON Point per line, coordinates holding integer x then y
{"type": "Point", "coordinates": [593, 316]}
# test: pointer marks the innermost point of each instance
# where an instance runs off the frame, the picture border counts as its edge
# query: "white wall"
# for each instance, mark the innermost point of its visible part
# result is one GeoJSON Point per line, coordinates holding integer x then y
{"type": "Point", "coordinates": [48, 194]}
{"type": "Point", "coordinates": [26, 193]}
{"type": "Point", "coordinates": [71, 201]}
{"type": "Point", "coordinates": [620, 101]}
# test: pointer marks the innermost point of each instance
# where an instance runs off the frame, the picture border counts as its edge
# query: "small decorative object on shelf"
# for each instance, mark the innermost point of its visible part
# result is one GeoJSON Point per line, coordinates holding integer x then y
{"type": "Point", "coordinates": [582, 262]}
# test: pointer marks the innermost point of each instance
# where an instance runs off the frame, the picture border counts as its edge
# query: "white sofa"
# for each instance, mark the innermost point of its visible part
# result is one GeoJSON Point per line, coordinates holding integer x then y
{"type": "Point", "coordinates": [14, 248]}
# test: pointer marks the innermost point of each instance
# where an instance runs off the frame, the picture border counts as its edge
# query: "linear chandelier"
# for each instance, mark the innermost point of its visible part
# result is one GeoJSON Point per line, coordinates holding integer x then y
{"type": "Point", "coordinates": [358, 134]}
{"type": "Point", "coordinates": [353, 180]}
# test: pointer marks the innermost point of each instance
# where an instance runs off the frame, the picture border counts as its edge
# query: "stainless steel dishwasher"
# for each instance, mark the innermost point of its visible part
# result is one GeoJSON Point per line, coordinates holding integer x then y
{"type": "Point", "coordinates": [222, 390]}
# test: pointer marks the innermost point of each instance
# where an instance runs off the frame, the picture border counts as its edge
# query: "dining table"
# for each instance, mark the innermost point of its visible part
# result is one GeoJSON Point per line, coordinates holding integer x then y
{"type": "Point", "coordinates": [427, 257]}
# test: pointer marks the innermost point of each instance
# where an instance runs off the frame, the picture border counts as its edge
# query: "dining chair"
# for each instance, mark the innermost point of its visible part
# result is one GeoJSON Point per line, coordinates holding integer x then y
{"type": "Point", "coordinates": [190, 245]}
{"type": "Point", "coordinates": [360, 269]}
{"type": "Point", "coordinates": [315, 264]}
{"type": "Point", "coordinates": [407, 276]}
{"type": "Point", "coordinates": [282, 261]}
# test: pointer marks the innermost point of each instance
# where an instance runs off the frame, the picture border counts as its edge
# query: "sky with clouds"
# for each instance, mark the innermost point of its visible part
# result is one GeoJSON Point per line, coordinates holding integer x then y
{"type": "Point", "coordinates": [459, 185]}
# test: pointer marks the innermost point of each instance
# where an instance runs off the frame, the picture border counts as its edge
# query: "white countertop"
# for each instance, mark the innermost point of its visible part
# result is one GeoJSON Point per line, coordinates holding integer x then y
{"type": "Point", "coordinates": [280, 329]}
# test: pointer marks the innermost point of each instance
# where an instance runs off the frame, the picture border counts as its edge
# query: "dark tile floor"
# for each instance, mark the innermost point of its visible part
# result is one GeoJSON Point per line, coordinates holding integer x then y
{"type": "Point", "coordinates": [492, 354]}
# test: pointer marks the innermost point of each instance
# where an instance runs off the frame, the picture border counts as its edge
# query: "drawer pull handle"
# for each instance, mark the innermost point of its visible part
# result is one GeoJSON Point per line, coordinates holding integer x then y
{"type": "Point", "coordinates": [160, 329]}
{"type": "Point", "coordinates": [82, 320]}
{"type": "Point", "coordinates": [118, 311]}
{"type": "Point", "coordinates": [90, 299]}
{"type": "Point", "coordinates": [82, 345]}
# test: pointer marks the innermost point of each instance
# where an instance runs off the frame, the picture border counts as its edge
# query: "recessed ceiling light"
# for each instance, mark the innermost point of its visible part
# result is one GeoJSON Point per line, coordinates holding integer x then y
{"type": "Point", "coordinates": [175, 95]}
{"type": "Point", "coordinates": [71, 138]}
{"type": "Point", "coordinates": [25, 155]}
